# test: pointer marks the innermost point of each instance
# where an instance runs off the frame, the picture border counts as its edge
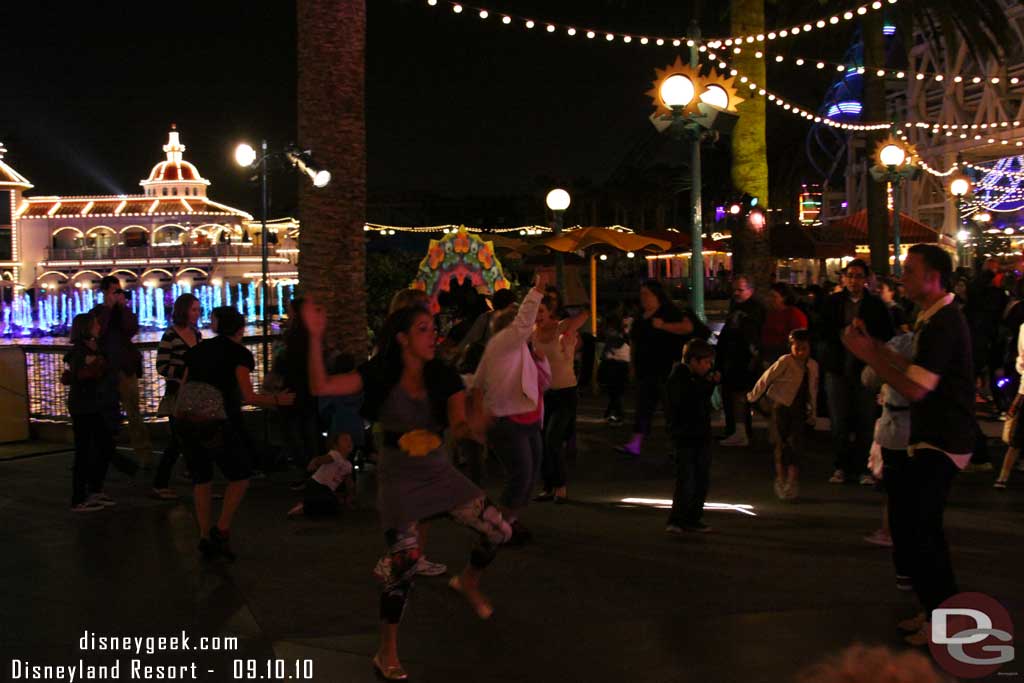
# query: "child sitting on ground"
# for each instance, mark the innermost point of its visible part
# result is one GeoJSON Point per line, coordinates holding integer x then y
{"type": "Point", "coordinates": [688, 397]}
{"type": "Point", "coordinates": [791, 384]}
{"type": "Point", "coordinates": [331, 480]}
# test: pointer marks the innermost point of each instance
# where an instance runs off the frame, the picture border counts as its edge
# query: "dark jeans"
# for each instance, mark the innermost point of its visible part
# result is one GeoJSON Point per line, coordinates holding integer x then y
{"type": "Point", "coordinates": [94, 448]}
{"type": "Point", "coordinates": [896, 480]}
{"type": "Point", "coordinates": [852, 409]}
{"type": "Point", "coordinates": [559, 417]}
{"type": "Point", "coordinates": [649, 392]}
{"type": "Point", "coordinates": [693, 478]}
{"type": "Point", "coordinates": [736, 395]}
{"type": "Point", "coordinates": [170, 456]}
{"type": "Point", "coordinates": [519, 448]}
{"type": "Point", "coordinates": [303, 439]}
{"type": "Point", "coordinates": [318, 500]}
{"type": "Point", "coordinates": [613, 375]}
{"type": "Point", "coordinates": [930, 479]}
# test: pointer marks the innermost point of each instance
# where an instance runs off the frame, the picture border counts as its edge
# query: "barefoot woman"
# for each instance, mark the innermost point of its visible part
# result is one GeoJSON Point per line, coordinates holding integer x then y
{"type": "Point", "coordinates": [414, 397]}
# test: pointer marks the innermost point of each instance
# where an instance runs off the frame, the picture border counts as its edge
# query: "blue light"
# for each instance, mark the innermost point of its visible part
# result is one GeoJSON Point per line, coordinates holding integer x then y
{"type": "Point", "coordinates": [845, 108]}
{"type": "Point", "coordinates": [889, 30]}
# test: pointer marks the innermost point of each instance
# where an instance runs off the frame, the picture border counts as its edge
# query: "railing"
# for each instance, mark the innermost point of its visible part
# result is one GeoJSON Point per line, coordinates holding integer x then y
{"type": "Point", "coordinates": [211, 251]}
{"type": "Point", "coordinates": [48, 398]}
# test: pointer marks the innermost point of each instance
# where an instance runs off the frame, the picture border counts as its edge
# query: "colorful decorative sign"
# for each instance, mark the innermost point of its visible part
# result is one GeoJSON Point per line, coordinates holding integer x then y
{"type": "Point", "coordinates": [459, 254]}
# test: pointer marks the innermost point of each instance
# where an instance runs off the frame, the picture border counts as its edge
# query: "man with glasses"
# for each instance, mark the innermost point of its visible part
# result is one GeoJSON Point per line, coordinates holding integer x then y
{"type": "Point", "coordinates": [739, 358]}
{"type": "Point", "coordinates": [117, 327]}
{"type": "Point", "coordinates": [852, 407]}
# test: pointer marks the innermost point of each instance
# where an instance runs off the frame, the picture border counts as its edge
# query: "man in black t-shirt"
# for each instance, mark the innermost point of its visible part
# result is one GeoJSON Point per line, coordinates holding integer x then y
{"type": "Point", "coordinates": [939, 381]}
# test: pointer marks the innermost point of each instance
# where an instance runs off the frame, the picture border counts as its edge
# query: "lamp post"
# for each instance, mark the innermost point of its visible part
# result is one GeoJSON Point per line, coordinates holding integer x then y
{"type": "Point", "coordinates": [696, 108]}
{"type": "Point", "coordinates": [247, 157]}
{"type": "Point", "coordinates": [558, 201]}
{"type": "Point", "coordinates": [959, 187]}
{"type": "Point", "coordinates": [895, 164]}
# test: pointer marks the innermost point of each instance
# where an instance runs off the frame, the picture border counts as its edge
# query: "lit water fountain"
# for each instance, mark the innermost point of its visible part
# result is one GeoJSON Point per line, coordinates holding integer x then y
{"type": "Point", "coordinates": [50, 313]}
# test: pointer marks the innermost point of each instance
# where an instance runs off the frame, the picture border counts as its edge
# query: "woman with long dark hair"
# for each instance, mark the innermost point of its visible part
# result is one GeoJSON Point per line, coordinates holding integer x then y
{"type": "Point", "coordinates": [291, 364]}
{"type": "Point", "coordinates": [656, 342]}
{"type": "Point", "coordinates": [414, 397]}
{"type": "Point", "coordinates": [181, 336]}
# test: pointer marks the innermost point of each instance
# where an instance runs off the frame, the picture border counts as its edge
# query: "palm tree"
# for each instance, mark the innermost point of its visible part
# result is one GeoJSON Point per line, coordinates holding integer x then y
{"type": "Point", "coordinates": [751, 250]}
{"type": "Point", "coordinates": [331, 123]}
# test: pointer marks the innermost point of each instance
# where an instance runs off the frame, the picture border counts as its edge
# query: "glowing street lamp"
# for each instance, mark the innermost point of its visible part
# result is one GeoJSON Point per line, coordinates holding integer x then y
{"type": "Point", "coordinates": [960, 187]}
{"type": "Point", "coordinates": [247, 157]}
{"type": "Point", "coordinates": [558, 201]}
{"type": "Point", "coordinates": [696, 107]}
{"type": "Point", "coordinates": [895, 163]}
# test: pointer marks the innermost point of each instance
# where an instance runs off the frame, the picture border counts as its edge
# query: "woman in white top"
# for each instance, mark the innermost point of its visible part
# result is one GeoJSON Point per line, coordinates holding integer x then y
{"type": "Point", "coordinates": [557, 340]}
{"type": "Point", "coordinates": [512, 377]}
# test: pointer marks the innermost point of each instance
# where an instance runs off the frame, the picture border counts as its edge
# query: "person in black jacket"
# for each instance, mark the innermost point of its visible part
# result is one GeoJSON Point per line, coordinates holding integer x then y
{"type": "Point", "coordinates": [852, 407]}
{"type": "Point", "coordinates": [688, 397]}
{"type": "Point", "coordinates": [739, 357]}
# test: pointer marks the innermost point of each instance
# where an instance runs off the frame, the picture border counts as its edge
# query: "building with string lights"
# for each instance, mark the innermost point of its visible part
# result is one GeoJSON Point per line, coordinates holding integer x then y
{"type": "Point", "coordinates": [170, 233]}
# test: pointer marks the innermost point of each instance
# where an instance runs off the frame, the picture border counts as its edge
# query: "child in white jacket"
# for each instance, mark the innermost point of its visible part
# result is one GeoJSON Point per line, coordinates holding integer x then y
{"type": "Point", "coordinates": [791, 384]}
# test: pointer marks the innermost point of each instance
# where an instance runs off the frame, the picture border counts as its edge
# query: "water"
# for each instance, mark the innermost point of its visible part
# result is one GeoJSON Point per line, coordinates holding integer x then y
{"type": "Point", "coordinates": [49, 314]}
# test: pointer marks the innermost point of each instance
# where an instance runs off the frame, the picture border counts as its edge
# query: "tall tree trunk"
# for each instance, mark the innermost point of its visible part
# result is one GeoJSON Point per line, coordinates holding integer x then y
{"type": "Point", "coordinates": [874, 110]}
{"type": "Point", "coordinates": [751, 249]}
{"type": "Point", "coordinates": [331, 122]}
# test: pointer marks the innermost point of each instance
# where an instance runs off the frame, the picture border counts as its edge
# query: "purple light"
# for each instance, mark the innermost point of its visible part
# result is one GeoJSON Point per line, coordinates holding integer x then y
{"type": "Point", "coordinates": [889, 30]}
{"type": "Point", "coordinates": [719, 213]}
{"type": "Point", "coordinates": [1003, 382]}
{"type": "Point", "coordinates": [845, 204]}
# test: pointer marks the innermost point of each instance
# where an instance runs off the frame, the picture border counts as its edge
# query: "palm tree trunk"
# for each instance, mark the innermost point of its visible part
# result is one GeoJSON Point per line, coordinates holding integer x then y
{"type": "Point", "coordinates": [874, 110]}
{"type": "Point", "coordinates": [331, 123]}
{"type": "Point", "coordinates": [751, 252]}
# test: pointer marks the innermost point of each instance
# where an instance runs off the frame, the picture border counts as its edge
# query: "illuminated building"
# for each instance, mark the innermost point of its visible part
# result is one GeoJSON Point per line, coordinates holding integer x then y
{"type": "Point", "coordinates": [170, 233]}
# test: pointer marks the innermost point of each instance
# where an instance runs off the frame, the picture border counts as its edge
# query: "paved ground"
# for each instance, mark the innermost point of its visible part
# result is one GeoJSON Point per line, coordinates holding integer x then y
{"type": "Point", "coordinates": [603, 595]}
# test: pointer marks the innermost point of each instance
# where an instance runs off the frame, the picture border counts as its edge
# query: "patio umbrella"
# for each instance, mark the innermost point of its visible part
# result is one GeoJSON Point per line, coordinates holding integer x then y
{"type": "Point", "coordinates": [584, 238]}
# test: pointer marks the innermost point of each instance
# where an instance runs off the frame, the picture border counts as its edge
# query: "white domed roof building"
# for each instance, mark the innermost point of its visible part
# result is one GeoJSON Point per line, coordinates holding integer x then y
{"type": "Point", "coordinates": [171, 231]}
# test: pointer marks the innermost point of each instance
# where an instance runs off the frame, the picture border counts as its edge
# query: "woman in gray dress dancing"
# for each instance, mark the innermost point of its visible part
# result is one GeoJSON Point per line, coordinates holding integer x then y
{"type": "Point", "coordinates": [414, 397]}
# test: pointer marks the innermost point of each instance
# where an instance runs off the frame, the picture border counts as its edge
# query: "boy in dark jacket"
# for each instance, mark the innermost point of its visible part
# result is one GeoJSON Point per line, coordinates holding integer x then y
{"type": "Point", "coordinates": [688, 397]}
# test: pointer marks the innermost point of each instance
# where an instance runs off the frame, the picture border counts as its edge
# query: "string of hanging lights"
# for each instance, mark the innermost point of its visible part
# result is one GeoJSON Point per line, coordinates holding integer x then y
{"type": "Point", "coordinates": [573, 31]}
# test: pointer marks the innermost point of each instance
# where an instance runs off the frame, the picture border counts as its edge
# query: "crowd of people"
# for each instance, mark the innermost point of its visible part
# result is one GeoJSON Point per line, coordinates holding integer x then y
{"type": "Point", "coordinates": [895, 367]}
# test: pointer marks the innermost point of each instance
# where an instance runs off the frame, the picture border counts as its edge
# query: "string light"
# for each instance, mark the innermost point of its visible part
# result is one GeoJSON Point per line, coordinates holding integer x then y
{"type": "Point", "coordinates": [612, 36]}
{"type": "Point", "coordinates": [445, 229]}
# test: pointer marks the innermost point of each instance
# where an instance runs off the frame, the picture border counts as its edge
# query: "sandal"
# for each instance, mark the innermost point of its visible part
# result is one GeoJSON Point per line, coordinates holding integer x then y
{"type": "Point", "coordinates": [389, 673]}
{"type": "Point", "coordinates": [1000, 484]}
{"type": "Point", "coordinates": [479, 604]}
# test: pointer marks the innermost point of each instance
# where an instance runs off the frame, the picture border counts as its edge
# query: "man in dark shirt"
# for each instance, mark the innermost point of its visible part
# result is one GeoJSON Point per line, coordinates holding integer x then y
{"type": "Point", "coordinates": [117, 327]}
{"type": "Point", "coordinates": [939, 381]}
{"type": "Point", "coordinates": [739, 356]}
{"type": "Point", "coordinates": [852, 407]}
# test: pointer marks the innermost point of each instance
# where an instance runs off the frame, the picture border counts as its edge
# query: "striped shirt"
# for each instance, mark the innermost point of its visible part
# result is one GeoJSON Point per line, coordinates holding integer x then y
{"type": "Point", "coordinates": [170, 357]}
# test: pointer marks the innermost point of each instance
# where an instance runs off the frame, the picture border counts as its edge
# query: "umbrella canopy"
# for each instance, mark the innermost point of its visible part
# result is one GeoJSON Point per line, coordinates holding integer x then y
{"type": "Point", "coordinates": [581, 238]}
{"type": "Point", "coordinates": [856, 228]}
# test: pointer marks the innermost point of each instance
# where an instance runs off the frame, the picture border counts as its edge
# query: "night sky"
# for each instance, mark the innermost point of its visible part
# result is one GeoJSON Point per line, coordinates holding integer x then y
{"type": "Point", "coordinates": [455, 106]}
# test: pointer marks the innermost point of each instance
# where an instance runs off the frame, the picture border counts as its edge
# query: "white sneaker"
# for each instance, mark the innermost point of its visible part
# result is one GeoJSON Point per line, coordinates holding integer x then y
{"type": "Point", "coordinates": [425, 567]}
{"type": "Point", "coordinates": [879, 537]}
{"type": "Point", "coordinates": [838, 477]}
{"type": "Point", "coordinates": [738, 439]}
{"type": "Point", "coordinates": [87, 506]}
